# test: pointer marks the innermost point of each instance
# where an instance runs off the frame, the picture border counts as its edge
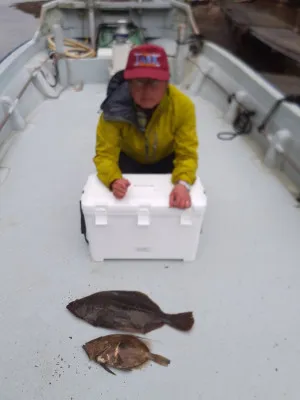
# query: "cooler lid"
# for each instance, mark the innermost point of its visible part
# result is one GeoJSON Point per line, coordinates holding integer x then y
{"type": "Point", "coordinates": [150, 190]}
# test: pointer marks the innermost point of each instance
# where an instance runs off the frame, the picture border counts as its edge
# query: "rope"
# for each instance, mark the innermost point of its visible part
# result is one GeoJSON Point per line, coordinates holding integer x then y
{"type": "Point", "coordinates": [76, 49]}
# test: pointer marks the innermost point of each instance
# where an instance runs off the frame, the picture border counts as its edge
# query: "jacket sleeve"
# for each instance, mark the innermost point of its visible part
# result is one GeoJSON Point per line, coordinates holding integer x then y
{"type": "Point", "coordinates": [186, 145]}
{"type": "Point", "coordinates": [106, 159]}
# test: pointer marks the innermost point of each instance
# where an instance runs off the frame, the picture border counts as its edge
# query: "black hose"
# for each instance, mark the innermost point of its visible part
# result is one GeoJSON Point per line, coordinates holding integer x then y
{"type": "Point", "coordinates": [56, 72]}
{"type": "Point", "coordinates": [242, 126]}
{"type": "Point", "coordinates": [291, 98]}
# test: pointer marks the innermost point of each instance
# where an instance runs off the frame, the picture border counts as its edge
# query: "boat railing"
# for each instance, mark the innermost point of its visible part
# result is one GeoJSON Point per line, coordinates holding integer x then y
{"type": "Point", "coordinates": [13, 104]}
{"type": "Point", "coordinates": [185, 7]}
{"type": "Point", "coordinates": [98, 4]}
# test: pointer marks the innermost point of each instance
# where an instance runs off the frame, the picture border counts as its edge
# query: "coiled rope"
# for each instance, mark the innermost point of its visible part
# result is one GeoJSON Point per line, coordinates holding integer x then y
{"type": "Point", "coordinates": [75, 48]}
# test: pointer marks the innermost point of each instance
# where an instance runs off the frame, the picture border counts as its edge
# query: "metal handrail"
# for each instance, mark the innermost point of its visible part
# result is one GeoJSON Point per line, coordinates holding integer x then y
{"type": "Point", "coordinates": [20, 94]}
{"type": "Point", "coordinates": [189, 12]}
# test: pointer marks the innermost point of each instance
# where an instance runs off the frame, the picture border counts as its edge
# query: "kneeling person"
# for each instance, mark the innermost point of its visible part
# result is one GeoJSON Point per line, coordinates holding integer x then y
{"type": "Point", "coordinates": [147, 126]}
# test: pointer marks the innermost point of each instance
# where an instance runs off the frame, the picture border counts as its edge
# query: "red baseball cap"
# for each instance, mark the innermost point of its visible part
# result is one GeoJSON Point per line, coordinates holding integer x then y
{"type": "Point", "coordinates": [147, 61]}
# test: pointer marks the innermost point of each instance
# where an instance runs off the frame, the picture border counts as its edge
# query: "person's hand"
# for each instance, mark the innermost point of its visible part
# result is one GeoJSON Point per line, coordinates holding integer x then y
{"type": "Point", "coordinates": [119, 187]}
{"type": "Point", "coordinates": [180, 197]}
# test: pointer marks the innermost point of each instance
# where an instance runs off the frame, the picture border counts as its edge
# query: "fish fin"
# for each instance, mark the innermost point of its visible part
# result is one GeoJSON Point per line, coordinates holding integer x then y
{"type": "Point", "coordinates": [106, 368]}
{"type": "Point", "coordinates": [159, 359]}
{"type": "Point", "coordinates": [182, 321]}
{"type": "Point", "coordinates": [147, 339]}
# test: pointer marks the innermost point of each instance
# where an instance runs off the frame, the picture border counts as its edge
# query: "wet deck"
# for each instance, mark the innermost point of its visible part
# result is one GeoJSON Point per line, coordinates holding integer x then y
{"type": "Point", "coordinates": [243, 287]}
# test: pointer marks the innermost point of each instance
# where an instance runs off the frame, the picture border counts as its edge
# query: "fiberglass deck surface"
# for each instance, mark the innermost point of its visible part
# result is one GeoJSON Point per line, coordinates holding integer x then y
{"type": "Point", "coordinates": [243, 288]}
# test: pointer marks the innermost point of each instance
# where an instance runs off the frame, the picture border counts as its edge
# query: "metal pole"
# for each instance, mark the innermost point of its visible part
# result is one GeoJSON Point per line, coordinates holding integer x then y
{"type": "Point", "coordinates": [92, 26]}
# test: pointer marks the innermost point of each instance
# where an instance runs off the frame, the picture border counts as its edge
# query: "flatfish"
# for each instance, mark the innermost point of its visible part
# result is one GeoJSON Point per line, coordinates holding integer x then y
{"type": "Point", "coordinates": [121, 351]}
{"type": "Point", "coordinates": [128, 311]}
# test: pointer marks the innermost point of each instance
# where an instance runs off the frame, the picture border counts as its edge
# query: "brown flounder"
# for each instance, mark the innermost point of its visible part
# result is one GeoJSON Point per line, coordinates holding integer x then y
{"type": "Point", "coordinates": [121, 351]}
{"type": "Point", "coordinates": [128, 311]}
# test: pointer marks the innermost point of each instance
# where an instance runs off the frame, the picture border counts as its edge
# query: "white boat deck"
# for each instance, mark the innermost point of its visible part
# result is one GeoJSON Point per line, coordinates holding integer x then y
{"type": "Point", "coordinates": [243, 288]}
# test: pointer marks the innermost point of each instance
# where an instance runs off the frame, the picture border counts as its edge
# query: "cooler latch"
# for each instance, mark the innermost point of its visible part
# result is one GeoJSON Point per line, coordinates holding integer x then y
{"type": "Point", "coordinates": [101, 216]}
{"type": "Point", "coordinates": [143, 217]}
{"type": "Point", "coordinates": [186, 218]}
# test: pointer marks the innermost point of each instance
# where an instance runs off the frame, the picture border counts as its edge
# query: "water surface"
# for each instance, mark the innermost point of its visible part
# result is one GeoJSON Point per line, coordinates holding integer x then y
{"type": "Point", "coordinates": [15, 27]}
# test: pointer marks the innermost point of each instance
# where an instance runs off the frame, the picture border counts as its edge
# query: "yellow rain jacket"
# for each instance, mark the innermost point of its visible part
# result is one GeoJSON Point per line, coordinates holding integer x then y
{"type": "Point", "coordinates": [172, 128]}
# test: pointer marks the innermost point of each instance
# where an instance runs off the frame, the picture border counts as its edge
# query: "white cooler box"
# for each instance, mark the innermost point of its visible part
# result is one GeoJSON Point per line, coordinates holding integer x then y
{"type": "Point", "coordinates": [141, 225]}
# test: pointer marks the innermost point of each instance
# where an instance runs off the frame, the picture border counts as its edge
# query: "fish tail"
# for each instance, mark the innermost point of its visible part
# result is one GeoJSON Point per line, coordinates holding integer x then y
{"type": "Point", "coordinates": [159, 359]}
{"type": "Point", "coordinates": [106, 368]}
{"type": "Point", "coordinates": [86, 350]}
{"type": "Point", "coordinates": [182, 321]}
